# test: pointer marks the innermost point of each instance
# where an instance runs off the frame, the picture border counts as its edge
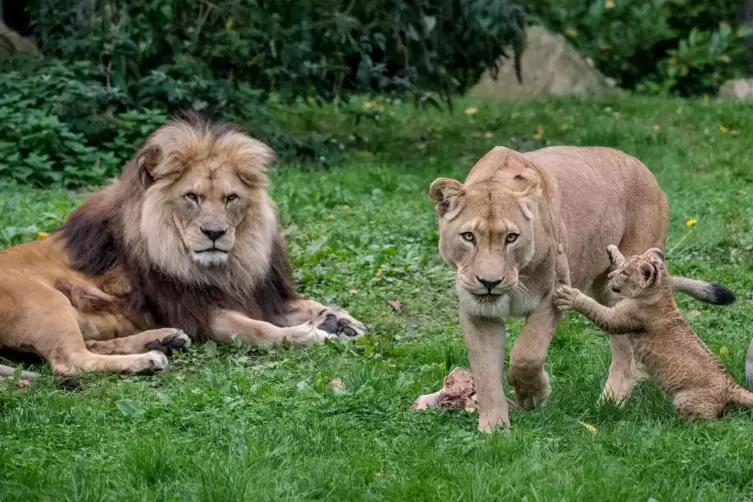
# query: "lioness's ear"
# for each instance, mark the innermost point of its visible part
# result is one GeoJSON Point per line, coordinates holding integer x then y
{"type": "Point", "coordinates": [446, 194]}
{"type": "Point", "coordinates": [650, 272]}
{"type": "Point", "coordinates": [526, 183]}
{"type": "Point", "coordinates": [147, 162]}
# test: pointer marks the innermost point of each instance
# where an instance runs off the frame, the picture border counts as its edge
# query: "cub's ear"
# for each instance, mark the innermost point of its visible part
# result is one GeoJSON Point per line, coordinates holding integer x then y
{"type": "Point", "coordinates": [147, 161]}
{"type": "Point", "coordinates": [650, 272]}
{"type": "Point", "coordinates": [447, 195]}
{"type": "Point", "coordinates": [656, 253]}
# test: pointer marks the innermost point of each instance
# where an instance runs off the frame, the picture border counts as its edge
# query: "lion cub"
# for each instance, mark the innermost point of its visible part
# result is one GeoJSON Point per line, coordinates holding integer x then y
{"type": "Point", "coordinates": [662, 341]}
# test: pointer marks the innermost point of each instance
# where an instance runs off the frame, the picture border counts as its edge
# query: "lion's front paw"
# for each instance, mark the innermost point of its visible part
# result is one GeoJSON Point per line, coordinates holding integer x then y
{"type": "Point", "coordinates": [566, 297]}
{"type": "Point", "coordinates": [175, 341]}
{"type": "Point", "coordinates": [306, 333]}
{"type": "Point", "coordinates": [339, 323]}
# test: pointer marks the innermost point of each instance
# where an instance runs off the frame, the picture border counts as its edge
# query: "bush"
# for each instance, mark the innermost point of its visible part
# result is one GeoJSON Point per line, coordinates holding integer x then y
{"type": "Point", "coordinates": [116, 70]}
{"type": "Point", "coordinates": [680, 47]}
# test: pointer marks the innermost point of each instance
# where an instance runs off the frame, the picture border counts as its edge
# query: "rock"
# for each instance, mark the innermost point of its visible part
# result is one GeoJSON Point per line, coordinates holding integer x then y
{"type": "Point", "coordinates": [549, 66]}
{"type": "Point", "coordinates": [737, 89]}
{"type": "Point", "coordinates": [13, 43]}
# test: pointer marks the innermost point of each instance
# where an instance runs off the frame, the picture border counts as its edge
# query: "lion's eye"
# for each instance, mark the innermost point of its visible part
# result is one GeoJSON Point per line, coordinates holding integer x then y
{"type": "Point", "coordinates": [468, 236]}
{"type": "Point", "coordinates": [231, 197]}
{"type": "Point", "coordinates": [511, 237]}
{"type": "Point", "coordinates": [192, 197]}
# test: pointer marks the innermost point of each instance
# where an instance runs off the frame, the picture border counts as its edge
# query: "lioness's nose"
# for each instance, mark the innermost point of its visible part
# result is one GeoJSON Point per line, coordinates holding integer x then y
{"type": "Point", "coordinates": [488, 283]}
{"type": "Point", "coordinates": [213, 234]}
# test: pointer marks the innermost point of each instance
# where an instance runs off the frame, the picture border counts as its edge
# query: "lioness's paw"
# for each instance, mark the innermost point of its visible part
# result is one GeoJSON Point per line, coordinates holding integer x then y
{"type": "Point", "coordinates": [565, 297]}
{"type": "Point", "coordinates": [339, 323]}
{"type": "Point", "coordinates": [175, 341]}
{"type": "Point", "coordinates": [488, 422]}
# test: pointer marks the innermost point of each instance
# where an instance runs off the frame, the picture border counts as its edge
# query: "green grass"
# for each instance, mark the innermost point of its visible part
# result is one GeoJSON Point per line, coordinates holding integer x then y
{"type": "Point", "coordinates": [230, 423]}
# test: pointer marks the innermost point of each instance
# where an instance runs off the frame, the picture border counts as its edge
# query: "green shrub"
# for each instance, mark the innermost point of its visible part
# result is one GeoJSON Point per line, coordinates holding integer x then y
{"type": "Point", "coordinates": [681, 47]}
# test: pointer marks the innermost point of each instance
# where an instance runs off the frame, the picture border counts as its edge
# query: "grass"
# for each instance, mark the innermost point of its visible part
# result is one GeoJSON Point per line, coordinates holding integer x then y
{"type": "Point", "coordinates": [230, 423]}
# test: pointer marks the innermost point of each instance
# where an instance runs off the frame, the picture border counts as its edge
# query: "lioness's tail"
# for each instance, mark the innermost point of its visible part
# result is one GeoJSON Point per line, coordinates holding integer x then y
{"type": "Point", "coordinates": [708, 292]}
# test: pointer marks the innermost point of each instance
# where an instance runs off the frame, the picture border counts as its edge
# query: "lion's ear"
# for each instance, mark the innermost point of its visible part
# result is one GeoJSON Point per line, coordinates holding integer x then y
{"type": "Point", "coordinates": [446, 194]}
{"type": "Point", "coordinates": [147, 161]}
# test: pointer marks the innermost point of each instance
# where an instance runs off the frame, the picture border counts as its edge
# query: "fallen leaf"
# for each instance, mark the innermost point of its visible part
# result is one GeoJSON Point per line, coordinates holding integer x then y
{"type": "Point", "coordinates": [364, 154]}
{"type": "Point", "coordinates": [656, 126]}
{"type": "Point", "coordinates": [706, 98]}
{"type": "Point", "coordinates": [590, 62]}
{"type": "Point", "coordinates": [346, 207]}
{"type": "Point", "coordinates": [331, 217]}
{"type": "Point", "coordinates": [734, 132]}
{"type": "Point", "coordinates": [395, 304]}
{"type": "Point", "coordinates": [740, 191]}
{"type": "Point", "coordinates": [353, 291]}
{"type": "Point", "coordinates": [572, 32]}
{"type": "Point", "coordinates": [539, 131]}
{"type": "Point", "coordinates": [369, 105]}
{"type": "Point", "coordinates": [723, 129]}
{"type": "Point", "coordinates": [378, 475]}
{"type": "Point", "coordinates": [609, 4]}
{"type": "Point", "coordinates": [336, 384]}
{"type": "Point", "coordinates": [379, 272]}
{"type": "Point", "coordinates": [472, 110]}
{"type": "Point", "coordinates": [724, 351]}
{"type": "Point", "coordinates": [442, 366]}
{"type": "Point", "coordinates": [514, 115]}
{"type": "Point", "coordinates": [590, 427]}
{"type": "Point", "coordinates": [470, 409]}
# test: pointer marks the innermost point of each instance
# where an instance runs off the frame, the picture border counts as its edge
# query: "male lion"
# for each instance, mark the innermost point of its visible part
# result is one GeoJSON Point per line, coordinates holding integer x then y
{"type": "Point", "coordinates": [184, 245]}
{"type": "Point", "coordinates": [522, 223]}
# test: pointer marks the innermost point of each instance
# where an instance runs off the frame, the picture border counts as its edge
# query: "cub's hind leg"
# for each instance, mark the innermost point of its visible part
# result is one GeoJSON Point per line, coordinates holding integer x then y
{"type": "Point", "coordinates": [41, 320]}
{"type": "Point", "coordinates": [700, 404]}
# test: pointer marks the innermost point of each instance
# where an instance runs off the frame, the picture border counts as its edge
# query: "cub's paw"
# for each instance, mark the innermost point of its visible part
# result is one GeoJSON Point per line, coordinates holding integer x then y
{"type": "Point", "coordinates": [338, 322]}
{"type": "Point", "coordinates": [174, 341]}
{"type": "Point", "coordinates": [566, 297]}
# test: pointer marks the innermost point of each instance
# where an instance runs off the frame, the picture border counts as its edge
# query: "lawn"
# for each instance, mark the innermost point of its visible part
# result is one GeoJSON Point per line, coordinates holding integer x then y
{"type": "Point", "coordinates": [231, 423]}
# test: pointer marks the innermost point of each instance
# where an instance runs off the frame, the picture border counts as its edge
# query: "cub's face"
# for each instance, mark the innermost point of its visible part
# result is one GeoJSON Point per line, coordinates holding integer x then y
{"type": "Point", "coordinates": [638, 276]}
{"type": "Point", "coordinates": [486, 231]}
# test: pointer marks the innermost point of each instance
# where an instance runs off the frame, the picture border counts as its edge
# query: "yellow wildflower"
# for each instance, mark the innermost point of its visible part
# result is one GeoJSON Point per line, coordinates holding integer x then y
{"type": "Point", "coordinates": [691, 222]}
{"type": "Point", "coordinates": [42, 235]}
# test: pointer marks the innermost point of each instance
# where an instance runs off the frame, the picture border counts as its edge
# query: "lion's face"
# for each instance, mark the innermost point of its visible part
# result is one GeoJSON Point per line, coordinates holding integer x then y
{"type": "Point", "coordinates": [486, 231]}
{"type": "Point", "coordinates": [208, 203]}
{"type": "Point", "coordinates": [205, 205]}
{"type": "Point", "coordinates": [638, 276]}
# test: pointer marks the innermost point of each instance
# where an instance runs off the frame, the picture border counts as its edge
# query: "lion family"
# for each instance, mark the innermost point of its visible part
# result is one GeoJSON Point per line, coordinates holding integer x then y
{"type": "Point", "coordinates": [185, 246]}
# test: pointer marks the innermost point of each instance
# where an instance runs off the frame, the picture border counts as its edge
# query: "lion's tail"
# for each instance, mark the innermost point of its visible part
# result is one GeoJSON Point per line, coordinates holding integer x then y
{"type": "Point", "coordinates": [708, 292]}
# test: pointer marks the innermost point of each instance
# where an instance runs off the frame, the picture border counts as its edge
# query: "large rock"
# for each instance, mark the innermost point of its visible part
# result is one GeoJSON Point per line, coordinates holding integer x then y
{"type": "Point", "coordinates": [737, 89]}
{"type": "Point", "coordinates": [13, 43]}
{"type": "Point", "coordinates": [549, 67]}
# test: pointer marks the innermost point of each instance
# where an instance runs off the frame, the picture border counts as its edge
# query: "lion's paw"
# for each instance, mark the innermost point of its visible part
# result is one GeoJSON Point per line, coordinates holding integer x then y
{"type": "Point", "coordinates": [150, 362]}
{"type": "Point", "coordinates": [175, 341]}
{"type": "Point", "coordinates": [338, 322]}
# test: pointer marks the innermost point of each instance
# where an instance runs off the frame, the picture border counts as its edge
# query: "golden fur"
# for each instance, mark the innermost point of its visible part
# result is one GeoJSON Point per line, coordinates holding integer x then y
{"type": "Point", "coordinates": [521, 224]}
{"type": "Point", "coordinates": [184, 246]}
{"type": "Point", "coordinates": [663, 343]}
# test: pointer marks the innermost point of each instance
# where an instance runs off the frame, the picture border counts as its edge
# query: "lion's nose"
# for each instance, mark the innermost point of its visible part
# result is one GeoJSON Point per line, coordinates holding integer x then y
{"type": "Point", "coordinates": [213, 234]}
{"type": "Point", "coordinates": [489, 284]}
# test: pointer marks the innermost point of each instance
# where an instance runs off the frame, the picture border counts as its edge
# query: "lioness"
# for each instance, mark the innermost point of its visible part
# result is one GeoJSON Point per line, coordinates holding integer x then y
{"type": "Point", "coordinates": [184, 246]}
{"type": "Point", "coordinates": [522, 222]}
{"type": "Point", "coordinates": [645, 312]}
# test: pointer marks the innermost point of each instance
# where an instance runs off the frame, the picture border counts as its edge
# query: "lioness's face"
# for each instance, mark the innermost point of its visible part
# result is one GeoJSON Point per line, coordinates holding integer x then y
{"type": "Point", "coordinates": [486, 231]}
{"type": "Point", "coordinates": [638, 276]}
{"type": "Point", "coordinates": [208, 204]}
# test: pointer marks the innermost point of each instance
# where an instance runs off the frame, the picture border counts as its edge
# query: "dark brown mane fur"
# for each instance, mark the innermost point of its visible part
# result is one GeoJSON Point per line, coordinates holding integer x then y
{"type": "Point", "coordinates": [95, 241]}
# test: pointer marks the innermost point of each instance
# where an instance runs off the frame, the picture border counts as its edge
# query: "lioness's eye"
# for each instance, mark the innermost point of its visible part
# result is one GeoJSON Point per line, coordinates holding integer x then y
{"type": "Point", "coordinates": [231, 197]}
{"type": "Point", "coordinates": [468, 236]}
{"type": "Point", "coordinates": [192, 197]}
{"type": "Point", "coordinates": [511, 237]}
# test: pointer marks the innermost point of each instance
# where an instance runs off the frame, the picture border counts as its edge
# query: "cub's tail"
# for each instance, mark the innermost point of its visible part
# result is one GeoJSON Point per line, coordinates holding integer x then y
{"type": "Point", "coordinates": [708, 292]}
{"type": "Point", "coordinates": [741, 396]}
